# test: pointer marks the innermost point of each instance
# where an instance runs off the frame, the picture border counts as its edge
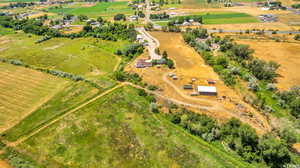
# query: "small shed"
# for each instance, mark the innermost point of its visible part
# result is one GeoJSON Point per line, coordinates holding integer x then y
{"type": "Point", "coordinates": [188, 86]}
{"type": "Point", "coordinates": [211, 82]}
{"type": "Point", "coordinates": [174, 77]}
{"type": "Point", "coordinates": [207, 90]}
{"type": "Point", "coordinates": [194, 94]}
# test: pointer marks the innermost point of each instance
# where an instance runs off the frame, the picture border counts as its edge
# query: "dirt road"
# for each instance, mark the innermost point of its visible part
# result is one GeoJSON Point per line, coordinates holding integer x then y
{"type": "Point", "coordinates": [189, 64]}
{"type": "Point", "coordinates": [153, 43]}
{"type": "Point", "coordinates": [12, 144]}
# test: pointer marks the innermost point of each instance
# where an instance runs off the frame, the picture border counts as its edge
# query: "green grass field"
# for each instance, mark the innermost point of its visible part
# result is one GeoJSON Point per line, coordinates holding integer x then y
{"type": "Point", "coordinates": [118, 130]}
{"type": "Point", "coordinates": [5, 1]}
{"type": "Point", "coordinates": [105, 9]}
{"type": "Point", "coordinates": [23, 90]}
{"type": "Point", "coordinates": [221, 18]}
{"type": "Point", "coordinates": [85, 56]}
{"type": "Point", "coordinates": [227, 18]}
{"type": "Point", "coordinates": [196, 4]}
{"type": "Point", "coordinates": [70, 97]}
{"type": "Point", "coordinates": [5, 31]}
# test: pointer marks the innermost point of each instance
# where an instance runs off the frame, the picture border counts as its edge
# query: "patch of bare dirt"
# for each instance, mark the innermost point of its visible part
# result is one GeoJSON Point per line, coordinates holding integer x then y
{"type": "Point", "coordinates": [4, 164]}
{"type": "Point", "coordinates": [189, 64]}
{"type": "Point", "coordinates": [54, 47]}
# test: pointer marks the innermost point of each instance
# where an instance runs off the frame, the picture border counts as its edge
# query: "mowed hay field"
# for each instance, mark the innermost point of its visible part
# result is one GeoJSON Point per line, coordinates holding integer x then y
{"type": "Point", "coordinates": [22, 91]}
{"type": "Point", "coordinates": [82, 56]}
{"type": "Point", "coordinates": [286, 54]}
{"type": "Point", "coordinates": [73, 95]}
{"type": "Point", "coordinates": [119, 130]}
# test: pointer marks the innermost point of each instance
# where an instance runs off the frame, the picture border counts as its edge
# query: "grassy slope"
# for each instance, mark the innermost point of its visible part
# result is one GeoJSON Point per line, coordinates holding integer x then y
{"type": "Point", "coordinates": [22, 90]}
{"type": "Point", "coordinates": [79, 56]}
{"type": "Point", "coordinates": [119, 131]}
{"type": "Point", "coordinates": [73, 95]}
{"type": "Point", "coordinates": [101, 9]}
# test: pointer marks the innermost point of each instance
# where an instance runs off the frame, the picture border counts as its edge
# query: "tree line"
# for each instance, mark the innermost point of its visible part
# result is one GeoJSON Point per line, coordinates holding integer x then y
{"type": "Point", "coordinates": [240, 138]}
{"type": "Point", "coordinates": [236, 62]}
{"type": "Point", "coordinates": [18, 5]}
{"type": "Point", "coordinates": [107, 30]}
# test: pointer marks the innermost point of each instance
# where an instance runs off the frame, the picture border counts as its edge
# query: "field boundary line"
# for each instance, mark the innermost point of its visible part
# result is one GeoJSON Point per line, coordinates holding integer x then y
{"type": "Point", "coordinates": [15, 143]}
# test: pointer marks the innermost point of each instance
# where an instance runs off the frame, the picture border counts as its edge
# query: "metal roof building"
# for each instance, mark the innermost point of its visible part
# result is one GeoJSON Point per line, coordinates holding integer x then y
{"type": "Point", "coordinates": [207, 90]}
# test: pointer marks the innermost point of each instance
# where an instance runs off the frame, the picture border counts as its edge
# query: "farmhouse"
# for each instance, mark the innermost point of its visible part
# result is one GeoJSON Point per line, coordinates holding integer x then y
{"type": "Point", "coordinates": [142, 63]}
{"type": "Point", "coordinates": [207, 90]}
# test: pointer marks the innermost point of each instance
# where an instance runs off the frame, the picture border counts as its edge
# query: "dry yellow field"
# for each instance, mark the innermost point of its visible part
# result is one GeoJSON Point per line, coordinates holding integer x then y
{"type": "Point", "coordinates": [73, 29]}
{"type": "Point", "coordinates": [40, 14]}
{"type": "Point", "coordinates": [189, 64]}
{"type": "Point", "coordinates": [250, 26]}
{"type": "Point", "coordinates": [23, 90]}
{"type": "Point", "coordinates": [286, 54]}
{"type": "Point", "coordinates": [285, 17]}
{"type": "Point", "coordinates": [4, 164]}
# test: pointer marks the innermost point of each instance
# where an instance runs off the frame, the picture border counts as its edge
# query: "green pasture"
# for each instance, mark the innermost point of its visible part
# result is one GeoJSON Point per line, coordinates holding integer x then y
{"type": "Point", "coordinates": [221, 18]}
{"type": "Point", "coordinates": [5, 1]}
{"type": "Point", "coordinates": [119, 130]}
{"type": "Point", "coordinates": [105, 9]}
{"type": "Point", "coordinates": [70, 97]}
{"type": "Point", "coordinates": [5, 31]}
{"type": "Point", "coordinates": [82, 56]}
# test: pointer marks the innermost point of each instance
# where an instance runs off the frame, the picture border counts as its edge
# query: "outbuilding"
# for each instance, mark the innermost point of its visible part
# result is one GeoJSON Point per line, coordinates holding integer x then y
{"type": "Point", "coordinates": [211, 82]}
{"type": "Point", "coordinates": [207, 90]}
{"type": "Point", "coordinates": [141, 63]}
{"type": "Point", "coordinates": [188, 86]}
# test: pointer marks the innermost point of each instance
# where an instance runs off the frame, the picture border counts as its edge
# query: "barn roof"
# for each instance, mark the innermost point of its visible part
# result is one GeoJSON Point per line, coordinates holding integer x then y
{"type": "Point", "coordinates": [208, 89]}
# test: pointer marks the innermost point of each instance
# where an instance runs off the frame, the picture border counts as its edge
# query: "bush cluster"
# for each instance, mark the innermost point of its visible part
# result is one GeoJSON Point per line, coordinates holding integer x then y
{"type": "Point", "coordinates": [239, 137]}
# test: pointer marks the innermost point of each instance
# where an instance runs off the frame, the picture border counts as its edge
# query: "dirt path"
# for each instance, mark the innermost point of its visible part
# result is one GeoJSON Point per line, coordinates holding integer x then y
{"type": "Point", "coordinates": [189, 65]}
{"type": "Point", "coordinates": [13, 144]}
{"type": "Point", "coordinates": [117, 64]}
{"type": "Point", "coordinates": [153, 43]}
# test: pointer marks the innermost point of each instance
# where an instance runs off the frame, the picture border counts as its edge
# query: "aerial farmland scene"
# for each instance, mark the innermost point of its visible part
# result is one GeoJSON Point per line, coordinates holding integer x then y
{"type": "Point", "coordinates": [149, 83]}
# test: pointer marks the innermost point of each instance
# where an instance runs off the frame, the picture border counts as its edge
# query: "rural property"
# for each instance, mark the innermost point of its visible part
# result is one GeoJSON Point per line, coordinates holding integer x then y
{"type": "Point", "coordinates": [149, 83]}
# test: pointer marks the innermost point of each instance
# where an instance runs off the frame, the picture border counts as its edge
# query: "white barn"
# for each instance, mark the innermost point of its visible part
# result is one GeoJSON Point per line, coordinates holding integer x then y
{"type": "Point", "coordinates": [207, 90]}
